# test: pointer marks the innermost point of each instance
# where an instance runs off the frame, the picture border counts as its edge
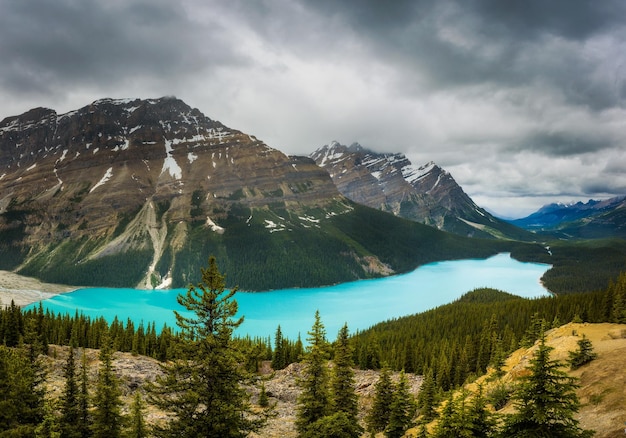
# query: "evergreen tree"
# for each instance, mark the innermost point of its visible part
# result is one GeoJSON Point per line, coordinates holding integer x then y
{"type": "Point", "coordinates": [203, 390]}
{"type": "Point", "coordinates": [49, 427]}
{"type": "Point", "coordinates": [70, 410]}
{"type": "Point", "coordinates": [314, 400]}
{"type": "Point", "coordinates": [278, 358]}
{"type": "Point", "coordinates": [84, 426]}
{"type": "Point", "coordinates": [427, 398]}
{"type": "Point", "coordinates": [378, 416]}
{"type": "Point", "coordinates": [618, 313]}
{"type": "Point", "coordinates": [402, 409]}
{"type": "Point", "coordinates": [21, 393]}
{"type": "Point", "coordinates": [137, 427]}
{"type": "Point", "coordinates": [481, 422]}
{"type": "Point", "coordinates": [107, 417]}
{"type": "Point", "coordinates": [449, 425]}
{"type": "Point", "coordinates": [546, 401]}
{"type": "Point", "coordinates": [583, 355]}
{"type": "Point", "coordinates": [263, 398]}
{"type": "Point", "coordinates": [343, 387]}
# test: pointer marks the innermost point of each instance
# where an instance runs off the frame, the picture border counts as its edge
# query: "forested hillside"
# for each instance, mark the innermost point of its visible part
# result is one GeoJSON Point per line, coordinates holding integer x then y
{"type": "Point", "coordinates": [448, 346]}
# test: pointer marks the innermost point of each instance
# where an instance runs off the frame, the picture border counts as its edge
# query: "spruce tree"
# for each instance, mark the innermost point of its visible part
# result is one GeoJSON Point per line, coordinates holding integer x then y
{"type": "Point", "coordinates": [138, 428]}
{"type": "Point", "coordinates": [84, 426]}
{"type": "Point", "coordinates": [107, 417]}
{"type": "Point", "coordinates": [203, 389]}
{"type": "Point", "coordinates": [427, 398]}
{"type": "Point", "coordinates": [21, 393]}
{"type": "Point", "coordinates": [546, 401]}
{"type": "Point", "coordinates": [70, 410]}
{"type": "Point", "coordinates": [378, 416]}
{"type": "Point", "coordinates": [278, 357]}
{"type": "Point", "coordinates": [584, 354]}
{"type": "Point", "coordinates": [402, 409]}
{"type": "Point", "coordinates": [314, 400]}
{"type": "Point", "coordinates": [344, 397]}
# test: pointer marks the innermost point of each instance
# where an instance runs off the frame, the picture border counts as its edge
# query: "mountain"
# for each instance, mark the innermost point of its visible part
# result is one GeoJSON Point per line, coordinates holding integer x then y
{"type": "Point", "coordinates": [426, 194]}
{"type": "Point", "coordinates": [132, 192]}
{"type": "Point", "coordinates": [594, 219]}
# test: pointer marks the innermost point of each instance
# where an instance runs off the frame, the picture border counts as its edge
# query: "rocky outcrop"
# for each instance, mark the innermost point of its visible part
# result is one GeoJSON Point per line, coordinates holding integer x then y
{"type": "Point", "coordinates": [427, 194]}
{"type": "Point", "coordinates": [122, 175]}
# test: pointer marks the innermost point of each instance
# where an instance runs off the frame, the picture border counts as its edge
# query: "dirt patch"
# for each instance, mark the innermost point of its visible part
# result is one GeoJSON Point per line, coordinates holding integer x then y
{"type": "Point", "coordinates": [26, 290]}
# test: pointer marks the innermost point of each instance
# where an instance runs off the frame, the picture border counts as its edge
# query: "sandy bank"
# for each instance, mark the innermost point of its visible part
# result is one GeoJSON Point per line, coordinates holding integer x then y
{"type": "Point", "coordinates": [26, 290]}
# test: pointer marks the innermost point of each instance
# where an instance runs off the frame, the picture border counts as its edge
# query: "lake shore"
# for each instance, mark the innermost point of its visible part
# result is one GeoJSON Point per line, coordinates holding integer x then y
{"type": "Point", "coordinates": [27, 290]}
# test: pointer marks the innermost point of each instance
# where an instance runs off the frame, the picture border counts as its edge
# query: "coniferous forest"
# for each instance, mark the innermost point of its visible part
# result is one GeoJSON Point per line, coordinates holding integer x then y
{"type": "Point", "coordinates": [448, 346]}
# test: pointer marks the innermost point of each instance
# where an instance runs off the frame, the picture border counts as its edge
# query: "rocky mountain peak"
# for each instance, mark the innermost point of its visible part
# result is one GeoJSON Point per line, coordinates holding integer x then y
{"type": "Point", "coordinates": [390, 182]}
{"type": "Point", "coordinates": [147, 164]}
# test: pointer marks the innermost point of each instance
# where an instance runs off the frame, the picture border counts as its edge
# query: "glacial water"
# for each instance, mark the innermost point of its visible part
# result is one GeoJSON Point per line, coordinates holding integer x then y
{"type": "Point", "coordinates": [360, 304]}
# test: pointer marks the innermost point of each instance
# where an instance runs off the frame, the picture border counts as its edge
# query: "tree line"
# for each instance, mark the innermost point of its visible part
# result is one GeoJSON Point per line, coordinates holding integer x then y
{"type": "Point", "coordinates": [206, 370]}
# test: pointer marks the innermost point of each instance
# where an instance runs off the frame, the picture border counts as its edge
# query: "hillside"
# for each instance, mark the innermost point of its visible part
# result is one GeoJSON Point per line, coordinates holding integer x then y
{"type": "Point", "coordinates": [601, 381]}
{"type": "Point", "coordinates": [590, 220]}
{"type": "Point", "coordinates": [148, 189]}
{"type": "Point", "coordinates": [426, 194]}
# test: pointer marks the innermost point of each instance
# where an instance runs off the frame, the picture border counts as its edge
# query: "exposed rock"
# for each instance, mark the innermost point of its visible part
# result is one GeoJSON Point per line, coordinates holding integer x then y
{"type": "Point", "coordinates": [426, 194]}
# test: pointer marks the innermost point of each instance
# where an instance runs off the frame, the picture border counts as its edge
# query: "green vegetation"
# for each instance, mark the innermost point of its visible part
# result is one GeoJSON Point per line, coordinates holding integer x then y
{"type": "Point", "coordinates": [65, 264]}
{"type": "Point", "coordinates": [583, 355]}
{"type": "Point", "coordinates": [203, 391]}
{"type": "Point", "coordinates": [545, 401]}
{"type": "Point", "coordinates": [447, 345]}
{"type": "Point", "coordinates": [459, 340]}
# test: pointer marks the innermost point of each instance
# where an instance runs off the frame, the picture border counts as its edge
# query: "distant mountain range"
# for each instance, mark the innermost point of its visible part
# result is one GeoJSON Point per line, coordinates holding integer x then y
{"type": "Point", "coordinates": [590, 220]}
{"type": "Point", "coordinates": [426, 194]}
{"type": "Point", "coordinates": [140, 192]}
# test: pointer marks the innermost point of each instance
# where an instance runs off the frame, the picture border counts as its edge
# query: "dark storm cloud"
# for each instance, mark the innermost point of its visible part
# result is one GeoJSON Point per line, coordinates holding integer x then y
{"type": "Point", "coordinates": [525, 99]}
{"type": "Point", "coordinates": [554, 144]}
{"type": "Point", "coordinates": [49, 45]}
{"type": "Point", "coordinates": [510, 43]}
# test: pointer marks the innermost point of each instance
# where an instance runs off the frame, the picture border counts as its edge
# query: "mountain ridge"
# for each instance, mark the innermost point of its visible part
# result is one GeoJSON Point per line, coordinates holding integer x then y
{"type": "Point", "coordinates": [591, 219]}
{"type": "Point", "coordinates": [426, 194]}
{"type": "Point", "coordinates": [149, 189]}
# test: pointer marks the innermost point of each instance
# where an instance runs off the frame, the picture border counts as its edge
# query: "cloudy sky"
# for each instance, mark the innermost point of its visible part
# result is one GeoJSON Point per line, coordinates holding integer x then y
{"type": "Point", "coordinates": [524, 102]}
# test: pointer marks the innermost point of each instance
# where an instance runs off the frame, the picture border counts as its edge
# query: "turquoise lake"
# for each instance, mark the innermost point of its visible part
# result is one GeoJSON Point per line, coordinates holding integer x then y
{"type": "Point", "coordinates": [360, 304]}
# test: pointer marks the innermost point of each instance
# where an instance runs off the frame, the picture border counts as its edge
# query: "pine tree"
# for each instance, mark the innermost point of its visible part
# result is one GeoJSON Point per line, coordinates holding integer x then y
{"type": "Point", "coordinates": [546, 401]}
{"type": "Point", "coordinates": [480, 421]}
{"type": "Point", "coordinates": [138, 427]}
{"type": "Point", "coordinates": [618, 312]}
{"type": "Point", "coordinates": [49, 427]}
{"type": "Point", "coordinates": [203, 390]}
{"type": "Point", "coordinates": [263, 398]}
{"type": "Point", "coordinates": [278, 358]}
{"type": "Point", "coordinates": [70, 410]}
{"type": "Point", "coordinates": [427, 398]}
{"type": "Point", "coordinates": [314, 400]}
{"type": "Point", "coordinates": [107, 417]}
{"type": "Point", "coordinates": [21, 393]}
{"type": "Point", "coordinates": [378, 416]}
{"type": "Point", "coordinates": [84, 425]}
{"type": "Point", "coordinates": [344, 397]}
{"type": "Point", "coordinates": [402, 409]}
{"type": "Point", "coordinates": [583, 355]}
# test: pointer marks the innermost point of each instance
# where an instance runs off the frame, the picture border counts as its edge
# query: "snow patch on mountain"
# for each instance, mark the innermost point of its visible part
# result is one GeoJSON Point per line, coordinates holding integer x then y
{"type": "Point", "coordinates": [169, 164]}
{"type": "Point", "coordinates": [107, 176]}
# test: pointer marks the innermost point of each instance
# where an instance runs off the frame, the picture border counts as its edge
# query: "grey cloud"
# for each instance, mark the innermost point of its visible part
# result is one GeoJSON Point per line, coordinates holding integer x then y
{"type": "Point", "coordinates": [64, 43]}
{"type": "Point", "coordinates": [557, 144]}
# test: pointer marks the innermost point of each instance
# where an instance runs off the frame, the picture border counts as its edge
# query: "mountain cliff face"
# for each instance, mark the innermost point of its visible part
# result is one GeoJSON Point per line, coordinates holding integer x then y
{"type": "Point", "coordinates": [148, 189]}
{"type": "Point", "coordinates": [593, 219]}
{"type": "Point", "coordinates": [426, 194]}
